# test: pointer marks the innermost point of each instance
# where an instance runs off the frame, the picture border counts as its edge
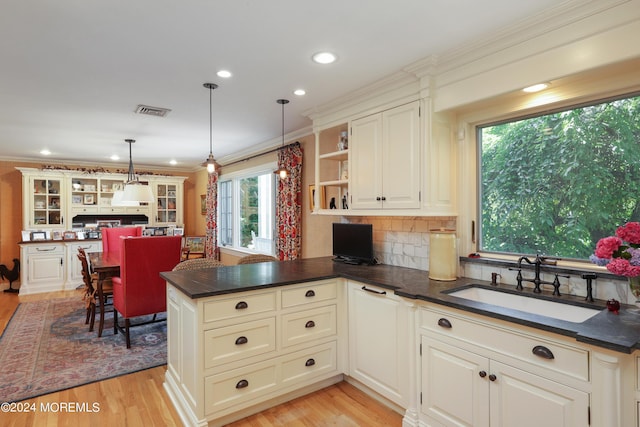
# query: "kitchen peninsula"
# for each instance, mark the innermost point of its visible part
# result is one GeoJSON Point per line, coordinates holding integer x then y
{"type": "Point", "coordinates": [244, 338]}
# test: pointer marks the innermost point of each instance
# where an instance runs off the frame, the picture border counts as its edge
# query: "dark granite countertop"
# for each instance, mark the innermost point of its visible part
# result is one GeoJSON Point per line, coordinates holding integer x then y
{"type": "Point", "coordinates": [618, 332]}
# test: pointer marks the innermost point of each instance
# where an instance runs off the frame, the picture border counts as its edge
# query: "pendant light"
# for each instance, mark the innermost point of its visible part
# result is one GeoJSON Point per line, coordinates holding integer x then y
{"type": "Point", "coordinates": [134, 190]}
{"type": "Point", "coordinates": [210, 163]}
{"type": "Point", "coordinates": [282, 172]}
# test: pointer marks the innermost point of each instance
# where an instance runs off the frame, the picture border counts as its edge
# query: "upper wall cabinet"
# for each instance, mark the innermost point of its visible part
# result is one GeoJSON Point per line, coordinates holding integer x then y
{"type": "Point", "coordinates": [44, 203]}
{"type": "Point", "coordinates": [399, 160]}
{"type": "Point", "coordinates": [51, 199]}
{"type": "Point", "coordinates": [385, 159]}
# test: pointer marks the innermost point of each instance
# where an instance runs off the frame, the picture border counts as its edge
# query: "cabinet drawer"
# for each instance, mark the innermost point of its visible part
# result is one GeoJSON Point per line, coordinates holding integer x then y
{"type": "Point", "coordinates": [235, 342]}
{"type": "Point", "coordinates": [85, 209]}
{"type": "Point", "coordinates": [112, 210]}
{"type": "Point", "coordinates": [239, 386]}
{"type": "Point", "coordinates": [45, 249]}
{"type": "Point", "coordinates": [308, 325]}
{"type": "Point", "coordinates": [313, 292]}
{"type": "Point", "coordinates": [555, 356]}
{"type": "Point", "coordinates": [309, 363]}
{"type": "Point", "coordinates": [239, 305]}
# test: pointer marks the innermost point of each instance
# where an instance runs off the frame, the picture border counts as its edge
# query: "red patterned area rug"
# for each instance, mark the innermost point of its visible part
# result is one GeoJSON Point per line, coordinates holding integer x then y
{"type": "Point", "coordinates": [47, 347]}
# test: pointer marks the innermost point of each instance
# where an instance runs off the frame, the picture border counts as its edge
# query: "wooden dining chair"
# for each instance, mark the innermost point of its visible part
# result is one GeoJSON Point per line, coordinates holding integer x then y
{"type": "Point", "coordinates": [92, 298]}
{"type": "Point", "coordinates": [140, 290]}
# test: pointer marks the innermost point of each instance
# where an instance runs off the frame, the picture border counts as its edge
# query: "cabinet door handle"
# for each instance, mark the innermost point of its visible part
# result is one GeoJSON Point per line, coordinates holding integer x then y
{"type": "Point", "coordinates": [384, 198]}
{"type": "Point", "coordinates": [542, 351]}
{"type": "Point", "coordinates": [310, 324]}
{"type": "Point", "coordinates": [492, 377]}
{"type": "Point", "coordinates": [242, 384]}
{"type": "Point", "coordinates": [241, 340]}
{"type": "Point", "coordinates": [482, 374]}
{"type": "Point", "coordinates": [310, 293]}
{"type": "Point", "coordinates": [310, 362]}
{"type": "Point", "coordinates": [45, 250]}
{"type": "Point", "coordinates": [378, 198]}
{"type": "Point", "coordinates": [241, 305]}
{"type": "Point", "coordinates": [444, 323]}
{"type": "Point", "coordinates": [373, 291]}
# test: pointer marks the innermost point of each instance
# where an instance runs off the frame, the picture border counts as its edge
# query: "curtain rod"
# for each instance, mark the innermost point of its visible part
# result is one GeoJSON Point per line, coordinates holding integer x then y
{"type": "Point", "coordinates": [261, 154]}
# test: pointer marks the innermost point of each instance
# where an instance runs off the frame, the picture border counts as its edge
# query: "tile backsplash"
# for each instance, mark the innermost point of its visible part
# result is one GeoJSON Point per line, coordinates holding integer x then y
{"type": "Point", "coordinates": [403, 241]}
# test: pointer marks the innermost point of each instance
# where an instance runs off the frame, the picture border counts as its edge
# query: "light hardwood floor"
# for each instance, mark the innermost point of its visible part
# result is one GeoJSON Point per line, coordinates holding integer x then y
{"type": "Point", "coordinates": [139, 399]}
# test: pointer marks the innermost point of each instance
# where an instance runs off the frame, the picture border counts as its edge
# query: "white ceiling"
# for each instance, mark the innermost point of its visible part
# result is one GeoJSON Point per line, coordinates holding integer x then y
{"type": "Point", "coordinates": [73, 71]}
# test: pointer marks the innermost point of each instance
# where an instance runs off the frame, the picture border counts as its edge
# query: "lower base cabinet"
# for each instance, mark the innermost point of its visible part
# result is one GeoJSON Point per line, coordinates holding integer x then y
{"type": "Point", "coordinates": [52, 265]}
{"type": "Point", "coordinates": [380, 341]}
{"type": "Point", "coordinates": [462, 388]}
{"type": "Point", "coordinates": [481, 372]}
{"type": "Point", "coordinates": [228, 354]}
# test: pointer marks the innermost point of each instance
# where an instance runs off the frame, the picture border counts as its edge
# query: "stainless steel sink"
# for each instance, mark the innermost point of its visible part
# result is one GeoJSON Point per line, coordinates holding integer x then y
{"type": "Point", "coordinates": [556, 310]}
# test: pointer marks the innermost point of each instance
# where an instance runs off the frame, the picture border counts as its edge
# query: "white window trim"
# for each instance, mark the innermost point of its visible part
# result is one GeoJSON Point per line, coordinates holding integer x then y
{"type": "Point", "coordinates": [245, 173]}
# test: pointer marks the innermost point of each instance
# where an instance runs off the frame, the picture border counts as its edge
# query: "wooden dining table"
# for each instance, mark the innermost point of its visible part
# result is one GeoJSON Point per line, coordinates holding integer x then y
{"type": "Point", "coordinates": [105, 265]}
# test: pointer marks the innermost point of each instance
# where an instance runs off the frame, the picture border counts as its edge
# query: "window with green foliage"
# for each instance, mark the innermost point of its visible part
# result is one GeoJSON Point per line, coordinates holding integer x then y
{"type": "Point", "coordinates": [556, 183]}
{"type": "Point", "coordinates": [246, 206]}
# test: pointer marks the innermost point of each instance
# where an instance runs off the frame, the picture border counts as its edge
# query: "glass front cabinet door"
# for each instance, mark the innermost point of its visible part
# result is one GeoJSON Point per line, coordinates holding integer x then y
{"type": "Point", "coordinates": [46, 204]}
{"type": "Point", "coordinates": [167, 203]}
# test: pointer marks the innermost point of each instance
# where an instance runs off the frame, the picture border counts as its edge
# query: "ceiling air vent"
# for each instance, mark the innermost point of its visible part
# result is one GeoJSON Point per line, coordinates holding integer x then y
{"type": "Point", "coordinates": [152, 111]}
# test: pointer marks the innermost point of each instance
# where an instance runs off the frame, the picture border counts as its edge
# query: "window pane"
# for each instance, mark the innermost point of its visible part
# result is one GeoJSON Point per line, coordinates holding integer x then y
{"type": "Point", "coordinates": [556, 183]}
{"type": "Point", "coordinates": [248, 210]}
{"type": "Point", "coordinates": [225, 226]}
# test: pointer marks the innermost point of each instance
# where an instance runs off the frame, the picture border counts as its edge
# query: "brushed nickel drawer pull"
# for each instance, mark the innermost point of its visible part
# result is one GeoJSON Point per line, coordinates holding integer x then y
{"type": "Point", "coordinates": [310, 324]}
{"type": "Point", "coordinates": [542, 351]}
{"type": "Point", "coordinates": [373, 291]}
{"type": "Point", "coordinates": [242, 384]}
{"type": "Point", "coordinates": [241, 340]}
{"type": "Point", "coordinates": [241, 305]}
{"type": "Point", "coordinates": [310, 293]}
{"type": "Point", "coordinates": [310, 362]}
{"type": "Point", "coordinates": [444, 323]}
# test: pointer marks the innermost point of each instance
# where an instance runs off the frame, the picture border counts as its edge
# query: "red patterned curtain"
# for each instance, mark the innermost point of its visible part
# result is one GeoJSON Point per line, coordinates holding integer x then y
{"type": "Point", "coordinates": [289, 203]}
{"type": "Point", "coordinates": [211, 237]}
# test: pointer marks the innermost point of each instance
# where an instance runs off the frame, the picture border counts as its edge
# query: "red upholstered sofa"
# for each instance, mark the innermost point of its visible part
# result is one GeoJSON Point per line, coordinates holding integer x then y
{"type": "Point", "coordinates": [111, 237]}
{"type": "Point", "coordinates": [139, 290]}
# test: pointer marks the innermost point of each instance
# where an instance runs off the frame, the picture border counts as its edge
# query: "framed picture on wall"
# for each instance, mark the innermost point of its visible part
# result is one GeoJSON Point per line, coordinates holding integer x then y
{"type": "Point", "coordinates": [195, 244]}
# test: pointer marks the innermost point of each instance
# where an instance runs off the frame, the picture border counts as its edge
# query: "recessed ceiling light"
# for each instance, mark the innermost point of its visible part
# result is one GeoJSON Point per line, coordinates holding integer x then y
{"type": "Point", "coordinates": [224, 74]}
{"type": "Point", "coordinates": [115, 157]}
{"type": "Point", "coordinates": [324, 58]}
{"type": "Point", "coordinates": [299, 92]}
{"type": "Point", "coordinates": [173, 162]}
{"type": "Point", "coordinates": [536, 88]}
{"type": "Point", "coordinates": [45, 152]}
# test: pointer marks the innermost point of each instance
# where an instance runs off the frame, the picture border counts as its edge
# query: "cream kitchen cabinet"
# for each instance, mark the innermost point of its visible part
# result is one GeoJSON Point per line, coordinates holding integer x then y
{"type": "Point", "coordinates": [385, 159]}
{"type": "Point", "coordinates": [169, 202]}
{"type": "Point", "coordinates": [42, 267]}
{"type": "Point", "coordinates": [43, 201]}
{"type": "Point", "coordinates": [229, 353]}
{"type": "Point", "coordinates": [379, 341]}
{"type": "Point", "coordinates": [53, 198]}
{"type": "Point", "coordinates": [477, 371]}
{"type": "Point", "coordinates": [463, 388]}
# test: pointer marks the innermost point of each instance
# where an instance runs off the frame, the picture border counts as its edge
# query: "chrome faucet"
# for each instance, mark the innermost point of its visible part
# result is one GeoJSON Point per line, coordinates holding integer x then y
{"type": "Point", "coordinates": [539, 260]}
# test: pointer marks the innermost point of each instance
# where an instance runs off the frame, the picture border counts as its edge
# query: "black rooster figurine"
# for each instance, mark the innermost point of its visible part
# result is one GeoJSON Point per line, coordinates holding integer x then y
{"type": "Point", "coordinates": [11, 275]}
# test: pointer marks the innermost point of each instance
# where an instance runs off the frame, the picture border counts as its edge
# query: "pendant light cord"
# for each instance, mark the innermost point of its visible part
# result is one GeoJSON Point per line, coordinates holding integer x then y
{"type": "Point", "coordinates": [210, 120]}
